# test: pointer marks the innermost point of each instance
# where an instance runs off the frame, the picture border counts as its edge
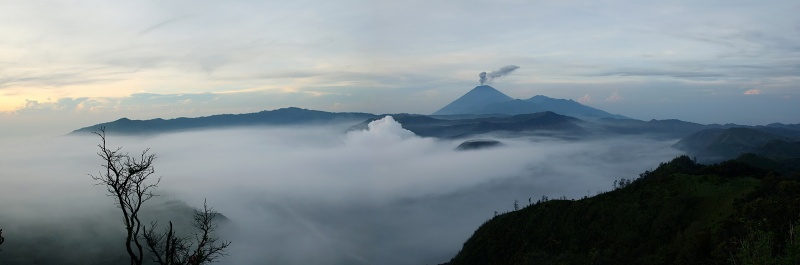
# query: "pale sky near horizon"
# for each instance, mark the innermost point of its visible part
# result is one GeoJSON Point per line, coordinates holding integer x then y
{"type": "Point", "coordinates": [70, 64]}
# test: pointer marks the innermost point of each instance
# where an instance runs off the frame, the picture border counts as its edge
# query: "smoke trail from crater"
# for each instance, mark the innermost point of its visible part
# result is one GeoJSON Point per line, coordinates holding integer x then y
{"type": "Point", "coordinates": [486, 77]}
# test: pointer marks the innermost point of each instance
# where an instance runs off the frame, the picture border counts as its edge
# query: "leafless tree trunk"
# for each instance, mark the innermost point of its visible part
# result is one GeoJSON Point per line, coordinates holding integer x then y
{"type": "Point", "coordinates": [167, 248]}
{"type": "Point", "coordinates": [126, 179]}
{"type": "Point", "coordinates": [170, 249]}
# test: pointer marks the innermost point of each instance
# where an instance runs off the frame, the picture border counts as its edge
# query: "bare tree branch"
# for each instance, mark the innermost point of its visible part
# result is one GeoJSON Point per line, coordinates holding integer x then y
{"type": "Point", "coordinates": [125, 179]}
{"type": "Point", "coordinates": [169, 249]}
{"type": "Point", "coordinates": [207, 249]}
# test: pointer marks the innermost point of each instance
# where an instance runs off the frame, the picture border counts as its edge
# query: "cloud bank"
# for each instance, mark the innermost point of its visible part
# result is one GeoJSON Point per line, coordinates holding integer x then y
{"type": "Point", "coordinates": [316, 195]}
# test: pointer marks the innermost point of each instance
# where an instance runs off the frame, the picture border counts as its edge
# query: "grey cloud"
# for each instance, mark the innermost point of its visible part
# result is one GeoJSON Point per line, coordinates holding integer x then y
{"type": "Point", "coordinates": [60, 75]}
{"type": "Point", "coordinates": [656, 72]}
{"type": "Point", "coordinates": [61, 104]}
{"type": "Point", "coordinates": [316, 196]}
{"type": "Point", "coordinates": [752, 42]}
{"type": "Point", "coordinates": [152, 101]}
{"type": "Point", "coordinates": [69, 77]}
{"type": "Point", "coordinates": [158, 99]}
{"type": "Point", "coordinates": [161, 24]}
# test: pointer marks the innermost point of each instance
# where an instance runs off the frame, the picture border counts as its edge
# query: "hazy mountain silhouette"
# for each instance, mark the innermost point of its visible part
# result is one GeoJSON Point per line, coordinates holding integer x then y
{"type": "Point", "coordinates": [545, 123]}
{"type": "Point", "coordinates": [488, 100]}
{"type": "Point", "coordinates": [285, 116]}
{"type": "Point", "coordinates": [665, 129]}
{"type": "Point", "coordinates": [542, 123]}
{"type": "Point", "coordinates": [571, 108]}
{"type": "Point", "coordinates": [474, 100]}
{"type": "Point", "coordinates": [713, 145]}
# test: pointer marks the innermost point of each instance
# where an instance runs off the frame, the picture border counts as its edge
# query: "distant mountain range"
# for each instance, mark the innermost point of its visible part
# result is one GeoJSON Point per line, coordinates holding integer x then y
{"type": "Point", "coordinates": [285, 116]}
{"type": "Point", "coordinates": [488, 100]}
{"type": "Point", "coordinates": [486, 112]}
{"type": "Point", "coordinates": [714, 145]}
{"type": "Point", "coordinates": [542, 123]}
{"type": "Point", "coordinates": [681, 213]}
{"type": "Point", "coordinates": [709, 143]}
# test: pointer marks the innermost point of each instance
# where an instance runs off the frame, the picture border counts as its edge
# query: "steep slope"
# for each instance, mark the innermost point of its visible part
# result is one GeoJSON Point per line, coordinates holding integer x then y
{"type": "Point", "coordinates": [473, 100]}
{"type": "Point", "coordinates": [681, 213]}
{"type": "Point", "coordinates": [542, 103]}
{"type": "Point", "coordinates": [285, 116]}
{"type": "Point", "coordinates": [571, 108]}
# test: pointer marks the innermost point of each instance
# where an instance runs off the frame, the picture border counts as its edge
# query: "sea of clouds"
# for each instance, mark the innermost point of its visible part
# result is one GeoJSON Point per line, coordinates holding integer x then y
{"type": "Point", "coordinates": [316, 194]}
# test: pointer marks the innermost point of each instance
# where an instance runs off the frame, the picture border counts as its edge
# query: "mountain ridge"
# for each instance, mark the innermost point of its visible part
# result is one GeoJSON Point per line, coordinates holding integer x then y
{"type": "Point", "coordinates": [717, 144]}
{"type": "Point", "coordinates": [542, 124]}
{"type": "Point", "coordinates": [283, 116]}
{"type": "Point", "coordinates": [444, 126]}
{"type": "Point", "coordinates": [484, 99]}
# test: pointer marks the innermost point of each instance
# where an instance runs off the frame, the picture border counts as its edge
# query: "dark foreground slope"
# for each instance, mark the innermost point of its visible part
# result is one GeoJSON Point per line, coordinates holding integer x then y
{"type": "Point", "coordinates": [682, 213]}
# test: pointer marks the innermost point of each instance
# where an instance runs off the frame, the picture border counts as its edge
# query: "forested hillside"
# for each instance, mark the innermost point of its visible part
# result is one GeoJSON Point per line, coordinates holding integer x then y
{"type": "Point", "coordinates": [735, 212]}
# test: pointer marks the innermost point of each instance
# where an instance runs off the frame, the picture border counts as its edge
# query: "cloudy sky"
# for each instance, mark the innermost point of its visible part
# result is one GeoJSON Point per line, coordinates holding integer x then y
{"type": "Point", "coordinates": [70, 64]}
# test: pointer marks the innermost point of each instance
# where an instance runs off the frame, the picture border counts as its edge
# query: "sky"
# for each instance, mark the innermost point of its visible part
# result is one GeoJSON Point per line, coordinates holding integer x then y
{"type": "Point", "coordinates": [71, 64]}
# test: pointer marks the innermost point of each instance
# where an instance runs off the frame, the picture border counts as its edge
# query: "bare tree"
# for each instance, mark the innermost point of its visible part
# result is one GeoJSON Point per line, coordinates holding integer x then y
{"type": "Point", "coordinates": [126, 179]}
{"type": "Point", "coordinates": [170, 249]}
{"type": "Point", "coordinates": [2, 239]}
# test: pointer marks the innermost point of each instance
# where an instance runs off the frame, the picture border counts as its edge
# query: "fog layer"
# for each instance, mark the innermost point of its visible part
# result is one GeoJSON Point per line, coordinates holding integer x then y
{"type": "Point", "coordinates": [320, 195]}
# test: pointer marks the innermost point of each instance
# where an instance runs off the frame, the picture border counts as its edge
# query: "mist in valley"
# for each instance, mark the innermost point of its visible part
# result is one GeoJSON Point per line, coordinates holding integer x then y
{"type": "Point", "coordinates": [308, 195]}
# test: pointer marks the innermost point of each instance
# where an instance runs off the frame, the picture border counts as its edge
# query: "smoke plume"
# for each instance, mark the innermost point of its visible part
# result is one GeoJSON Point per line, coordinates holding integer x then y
{"type": "Point", "coordinates": [486, 77]}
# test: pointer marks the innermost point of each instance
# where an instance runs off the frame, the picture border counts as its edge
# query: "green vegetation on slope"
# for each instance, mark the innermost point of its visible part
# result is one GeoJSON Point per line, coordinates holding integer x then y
{"type": "Point", "coordinates": [681, 213]}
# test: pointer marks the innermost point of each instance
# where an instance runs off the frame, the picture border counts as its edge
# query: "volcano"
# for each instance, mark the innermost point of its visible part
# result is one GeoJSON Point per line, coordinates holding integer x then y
{"type": "Point", "coordinates": [474, 100]}
{"type": "Point", "coordinates": [488, 100]}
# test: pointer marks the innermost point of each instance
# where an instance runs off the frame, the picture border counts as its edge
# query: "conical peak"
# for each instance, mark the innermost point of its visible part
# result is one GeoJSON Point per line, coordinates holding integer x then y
{"type": "Point", "coordinates": [473, 100]}
{"type": "Point", "coordinates": [487, 90]}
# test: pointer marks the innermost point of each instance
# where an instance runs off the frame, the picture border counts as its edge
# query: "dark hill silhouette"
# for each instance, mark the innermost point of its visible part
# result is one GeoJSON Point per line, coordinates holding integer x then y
{"type": "Point", "coordinates": [681, 213]}
{"type": "Point", "coordinates": [476, 144]}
